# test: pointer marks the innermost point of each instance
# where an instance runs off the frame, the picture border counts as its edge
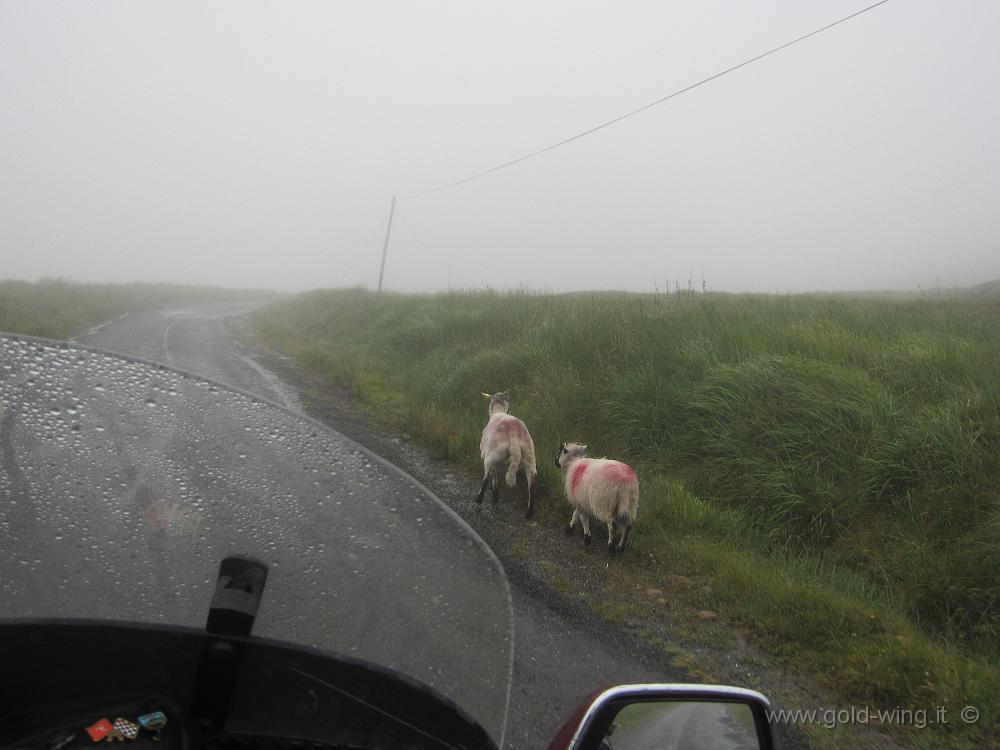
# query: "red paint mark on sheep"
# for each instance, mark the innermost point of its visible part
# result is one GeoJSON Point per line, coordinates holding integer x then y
{"type": "Point", "coordinates": [576, 476]}
{"type": "Point", "coordinates": [512, 428]}
{"type": "Point", "coordinates": [620, 473]}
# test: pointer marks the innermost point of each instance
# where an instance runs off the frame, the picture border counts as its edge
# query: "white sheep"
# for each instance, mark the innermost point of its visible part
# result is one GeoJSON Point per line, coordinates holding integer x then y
{"type": "Point", "coordinates": [600, 488]}
{"type": "Point", "coordinates": [505, 446]}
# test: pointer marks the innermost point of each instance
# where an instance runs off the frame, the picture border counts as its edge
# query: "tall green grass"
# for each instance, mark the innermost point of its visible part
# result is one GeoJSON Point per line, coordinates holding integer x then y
{"type": "Point", "coordinates": [832, 463]}
{"type": "Point", "coordinates": [58, 309]}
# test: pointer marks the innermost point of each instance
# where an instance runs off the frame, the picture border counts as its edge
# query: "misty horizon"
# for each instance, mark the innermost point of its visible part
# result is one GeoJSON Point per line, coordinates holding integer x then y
{"type": "Point", "coordinates": [259, 146]}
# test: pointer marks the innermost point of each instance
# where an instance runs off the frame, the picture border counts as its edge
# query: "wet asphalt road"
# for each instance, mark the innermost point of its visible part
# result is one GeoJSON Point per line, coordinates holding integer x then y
{"type": "Point", "coordinates": [561, 651]}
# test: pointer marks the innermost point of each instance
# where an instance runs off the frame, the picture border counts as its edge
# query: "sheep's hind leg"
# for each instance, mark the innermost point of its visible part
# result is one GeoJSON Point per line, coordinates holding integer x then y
{"type": "Point", "coordinates": [611, 539]}
{"type": "Point", "coordinates": [530, 510]}
{"type": "Point", "coordinates": [625, 533]}
{"type": "Point", "coordinates": [572, 521]}
{"type": "Point", "coordinates": [482, 487]}
{"type": "Point", "coordinates": [585, 520]}
{"type": "Point", "coordinates": [495, 489]}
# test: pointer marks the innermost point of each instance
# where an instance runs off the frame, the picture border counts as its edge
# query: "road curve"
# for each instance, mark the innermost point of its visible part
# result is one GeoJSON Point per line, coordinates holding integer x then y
{"type": "Point", "coordinates": [193, 338]}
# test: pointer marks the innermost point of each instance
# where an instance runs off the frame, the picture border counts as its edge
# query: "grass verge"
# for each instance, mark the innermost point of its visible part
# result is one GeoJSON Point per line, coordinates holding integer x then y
{"type": "Point", "coordinates": [826, 470]}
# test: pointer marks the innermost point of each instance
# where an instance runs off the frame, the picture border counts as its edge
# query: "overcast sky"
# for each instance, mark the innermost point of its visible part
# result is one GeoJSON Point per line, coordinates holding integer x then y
{"type": "Point", "coordinates": [259, 144]}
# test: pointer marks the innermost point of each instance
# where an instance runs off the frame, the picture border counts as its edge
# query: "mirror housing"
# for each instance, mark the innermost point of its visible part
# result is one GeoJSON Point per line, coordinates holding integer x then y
{"type": "Point", "coordinates": [594, 720]}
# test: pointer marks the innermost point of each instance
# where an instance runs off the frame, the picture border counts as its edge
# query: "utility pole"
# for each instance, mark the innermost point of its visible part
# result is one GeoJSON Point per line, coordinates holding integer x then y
{"type": "Point", "coordinates": [385, 247]}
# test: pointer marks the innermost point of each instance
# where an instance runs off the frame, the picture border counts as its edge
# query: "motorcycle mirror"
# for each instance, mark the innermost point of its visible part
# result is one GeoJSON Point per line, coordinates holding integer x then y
{"type": "Point", "coordinates": [632, 717]}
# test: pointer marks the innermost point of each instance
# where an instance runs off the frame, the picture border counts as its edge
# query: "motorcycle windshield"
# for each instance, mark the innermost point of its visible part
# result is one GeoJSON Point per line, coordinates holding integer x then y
{"type": "Point", "coordinates": [124, 484]}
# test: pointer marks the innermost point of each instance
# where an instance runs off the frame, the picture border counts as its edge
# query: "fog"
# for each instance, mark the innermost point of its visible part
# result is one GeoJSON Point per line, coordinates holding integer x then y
{"type": "Point", "coordinates": [260, 144]}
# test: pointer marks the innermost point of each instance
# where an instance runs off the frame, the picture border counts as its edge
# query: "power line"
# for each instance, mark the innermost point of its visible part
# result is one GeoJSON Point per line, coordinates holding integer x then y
{"type": "Point", "coordinates": [639, 109]}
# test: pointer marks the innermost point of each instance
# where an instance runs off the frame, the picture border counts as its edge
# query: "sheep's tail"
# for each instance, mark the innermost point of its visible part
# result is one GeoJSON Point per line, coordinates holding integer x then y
{"type": "Point", "coordinates": [628, 503]}
{"type": "Point", "coordinates": [515, 462]}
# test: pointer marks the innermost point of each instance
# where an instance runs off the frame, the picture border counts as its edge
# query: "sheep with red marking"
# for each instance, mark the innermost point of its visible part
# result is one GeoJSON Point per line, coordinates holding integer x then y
{"type": "Point", "coordinates": [505, 447]}
{"type": "Point", "coordinates": [599, 488]}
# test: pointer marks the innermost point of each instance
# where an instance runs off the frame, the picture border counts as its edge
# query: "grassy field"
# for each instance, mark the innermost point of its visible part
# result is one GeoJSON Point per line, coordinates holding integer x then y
{"type": "Point", "coordinates": [830, 466]}
{"type": "Point", "coordinates": [59, 309]}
